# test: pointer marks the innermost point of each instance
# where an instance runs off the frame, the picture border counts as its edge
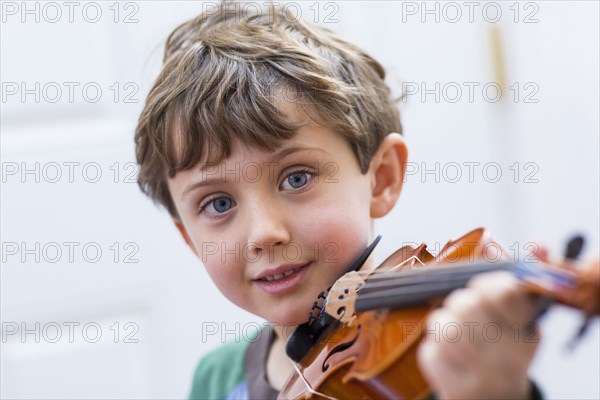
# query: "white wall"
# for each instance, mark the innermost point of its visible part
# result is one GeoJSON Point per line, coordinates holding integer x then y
{"type": "Point", "coordinates": [166, 296]}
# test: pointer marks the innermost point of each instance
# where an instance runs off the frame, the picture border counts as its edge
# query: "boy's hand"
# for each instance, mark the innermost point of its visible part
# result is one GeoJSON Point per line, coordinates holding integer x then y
{"type": "Point", "coordinates": [480, 343]}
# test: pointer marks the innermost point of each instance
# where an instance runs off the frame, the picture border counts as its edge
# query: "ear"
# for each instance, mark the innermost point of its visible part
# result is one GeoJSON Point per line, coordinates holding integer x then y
{"type": "Point", "coordinates": [387, 171]}
{"type": "Point", "coordinates": [184, 234]}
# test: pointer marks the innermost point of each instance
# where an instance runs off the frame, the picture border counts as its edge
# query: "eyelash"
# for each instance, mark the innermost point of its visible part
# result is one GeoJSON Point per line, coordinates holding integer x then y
{"type": "Point", "coordinates": [208, 201]}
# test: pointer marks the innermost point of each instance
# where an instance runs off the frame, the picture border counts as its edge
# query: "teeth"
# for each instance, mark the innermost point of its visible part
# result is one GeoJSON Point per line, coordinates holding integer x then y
{"type": "Point", "coordinates": [280, 276]}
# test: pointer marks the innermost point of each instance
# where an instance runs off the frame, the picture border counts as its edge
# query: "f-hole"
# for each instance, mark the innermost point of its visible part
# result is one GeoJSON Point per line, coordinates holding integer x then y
{"type": "Point", "coordinates": [339, 348]}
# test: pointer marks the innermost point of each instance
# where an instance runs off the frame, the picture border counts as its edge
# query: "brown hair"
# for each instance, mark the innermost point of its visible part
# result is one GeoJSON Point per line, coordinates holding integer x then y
{"type": "Point", "coordinates": [223, 76]}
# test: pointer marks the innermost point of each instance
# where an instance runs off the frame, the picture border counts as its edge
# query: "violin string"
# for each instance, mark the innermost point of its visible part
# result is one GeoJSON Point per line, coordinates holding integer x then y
{"type": "Point", "coordinates": [371, 286]}
{"type": "Point", "coordinates": [407, 277]}
{"type": "Point", "coordinates": [374, 273]}
{"type": "Point", "coordinates": [426, 275]}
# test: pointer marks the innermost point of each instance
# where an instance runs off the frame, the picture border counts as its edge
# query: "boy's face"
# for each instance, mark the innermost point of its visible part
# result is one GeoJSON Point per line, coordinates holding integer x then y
{"type": "Point", "coordinates": [276, 231]}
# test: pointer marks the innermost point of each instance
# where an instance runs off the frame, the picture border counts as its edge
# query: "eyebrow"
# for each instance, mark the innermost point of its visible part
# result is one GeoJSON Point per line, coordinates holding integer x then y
{"type": "Point", "coordinates": [273, 159]}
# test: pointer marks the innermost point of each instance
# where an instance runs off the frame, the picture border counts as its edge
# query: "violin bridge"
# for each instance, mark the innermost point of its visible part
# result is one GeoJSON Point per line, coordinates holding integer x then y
{"type": "Point", "coordinates": [341, 299]}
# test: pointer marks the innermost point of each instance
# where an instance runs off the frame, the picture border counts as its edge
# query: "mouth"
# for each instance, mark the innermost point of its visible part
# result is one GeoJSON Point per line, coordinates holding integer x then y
{"type": "Point", "coordinates": [283, 279]}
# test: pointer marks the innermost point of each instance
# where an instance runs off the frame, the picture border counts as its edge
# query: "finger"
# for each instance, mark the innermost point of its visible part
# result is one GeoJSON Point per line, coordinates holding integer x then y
{"type": "Point", "coordinates": [463, 309]}
{"type": "Point", "coordinates": [541, 253]}
{"type": "Point", "coordinates": [483, 328]}
{"type": "Point", "coordinates": [502, 298]}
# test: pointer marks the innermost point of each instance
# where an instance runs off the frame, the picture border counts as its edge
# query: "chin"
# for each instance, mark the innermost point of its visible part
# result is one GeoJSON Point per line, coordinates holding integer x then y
{"type": "Point", "coordinates": [289, 319]}
{"type": "Point", "coordinates": [286, 319]}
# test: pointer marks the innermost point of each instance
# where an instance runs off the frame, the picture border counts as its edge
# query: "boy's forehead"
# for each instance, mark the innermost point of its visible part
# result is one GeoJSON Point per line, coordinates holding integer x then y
{"type": "Point", "coordinates": [309, 135]}
{"type": "Point", "coordinates": [300, 115]}
{"type": "Point", "coordinates": [308, 138]}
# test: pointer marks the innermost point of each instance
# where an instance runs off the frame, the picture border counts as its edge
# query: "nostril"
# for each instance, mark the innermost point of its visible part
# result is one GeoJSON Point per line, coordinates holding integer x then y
{"type": "Point", "coordinates": [264, 245]}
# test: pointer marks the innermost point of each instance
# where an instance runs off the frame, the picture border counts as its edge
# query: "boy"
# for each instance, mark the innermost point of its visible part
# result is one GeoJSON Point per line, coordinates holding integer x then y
{"type": "Point", "coordinates": [265, 137]}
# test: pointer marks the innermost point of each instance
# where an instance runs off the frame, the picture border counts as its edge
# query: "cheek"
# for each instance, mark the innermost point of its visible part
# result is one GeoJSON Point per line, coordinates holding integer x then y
{"type": "Point", "coordinates": [224, 270]}
{"type": "Point", "coordinates": [338, 229]}
{"type": "Point", "coordinates": [341, 240]}
{"type": "Point", "coordinates": [228, 280]}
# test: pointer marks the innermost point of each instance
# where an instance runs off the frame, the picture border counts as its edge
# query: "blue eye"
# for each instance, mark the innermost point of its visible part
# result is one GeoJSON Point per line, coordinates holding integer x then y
{"type": "Point", "coordinates": [220, 204]}
{"type": "Point", "coordinates": [298, 179]}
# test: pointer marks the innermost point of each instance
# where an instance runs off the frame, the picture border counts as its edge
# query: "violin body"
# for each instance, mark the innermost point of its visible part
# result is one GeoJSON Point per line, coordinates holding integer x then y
{"type": "Point", "coordinates": [372, 354]}
{"type": "Point", "coordinates": [341, 366]}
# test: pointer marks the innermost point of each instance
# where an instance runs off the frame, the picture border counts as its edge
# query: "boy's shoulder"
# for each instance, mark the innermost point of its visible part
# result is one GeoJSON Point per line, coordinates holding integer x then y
{"type": "Point", "coordinates": [221, 371]}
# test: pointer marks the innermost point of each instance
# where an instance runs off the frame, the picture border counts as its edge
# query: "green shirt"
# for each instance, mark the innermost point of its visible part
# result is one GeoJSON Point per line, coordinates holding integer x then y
{"type": "Point", "coordinates": [220, 371]}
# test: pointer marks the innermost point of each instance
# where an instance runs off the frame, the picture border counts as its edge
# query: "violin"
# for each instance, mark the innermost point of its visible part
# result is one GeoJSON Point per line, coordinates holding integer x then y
{"type": "Point", "coordinates": [362, 336]}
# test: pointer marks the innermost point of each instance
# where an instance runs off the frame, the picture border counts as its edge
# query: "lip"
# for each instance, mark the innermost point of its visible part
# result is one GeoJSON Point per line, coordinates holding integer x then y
{"type": "Point", "coordinates": [284, 284]}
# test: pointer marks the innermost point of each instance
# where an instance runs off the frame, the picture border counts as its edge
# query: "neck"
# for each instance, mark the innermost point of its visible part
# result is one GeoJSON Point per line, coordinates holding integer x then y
{"type": "Point", "coordinates": [279, 367]}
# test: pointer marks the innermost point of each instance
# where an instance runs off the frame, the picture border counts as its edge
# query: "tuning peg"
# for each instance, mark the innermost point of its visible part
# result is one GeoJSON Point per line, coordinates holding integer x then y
{"type": "Point", "coordinates": [574, 247]}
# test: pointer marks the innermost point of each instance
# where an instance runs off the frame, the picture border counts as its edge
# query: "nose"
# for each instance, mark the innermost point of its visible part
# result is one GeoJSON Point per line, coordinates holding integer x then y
{"type": "Point", "coordinates": [267, 224]}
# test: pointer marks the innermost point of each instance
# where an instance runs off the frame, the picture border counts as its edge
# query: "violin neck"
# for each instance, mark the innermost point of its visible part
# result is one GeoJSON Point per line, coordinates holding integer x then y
{"type": "Point", "coordinates": [423, 285]}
